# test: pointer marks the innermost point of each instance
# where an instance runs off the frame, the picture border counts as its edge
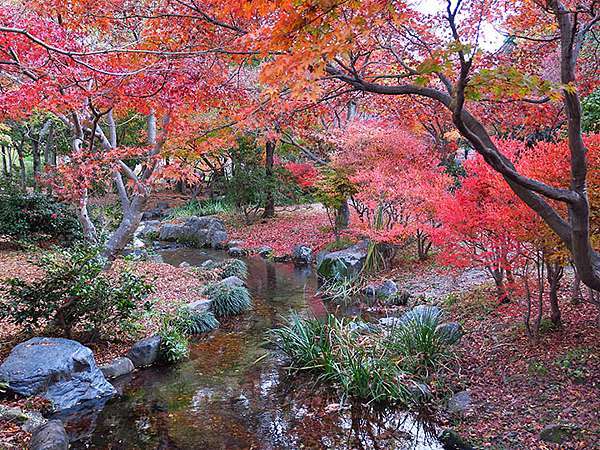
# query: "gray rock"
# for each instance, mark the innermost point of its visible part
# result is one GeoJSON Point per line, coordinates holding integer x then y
{"type": "Point", "coordinates": [49, 436]}
{"type": "Point", "coordinates": [61, 370]}
{"type": "Point", "coordinates": [556, 433]}
{"type": "Point", "coordinates": [233, 281]}
{"type": "Point", "coordinates": [28, 420]}
{"type": "Point", "coordinates": [420, 391]}
{"type": "Point", "coordinates": [345, 263]}
{"type": "Point", "coordinates": [150, 228]}
{"type": "Point", "coordinates": [196, 231]}
{"type": "Point", "coordinates": [208, 264]}
{"type": "Point", "coordinates": [302, 255]}
{"type": "Point", "coordinates": [184, 264]}
{"type": "Point", "coordinates": [117, 368]}
{"type": "Point", "coordinates": [199, 306]}
{"type": "Point", "coordinates": [459, 402]}
{"type": "Point", "coordinates": [145, 352]}
{"type": "Point", "coordinates": [34, 420]}
{"type": "Point", "coordinates": [451, 332]}
{"type": "Point", "coordinates": [385, 289]}
{"type": "Point", "coordinates": [234, 243]}
{"type": "Point", "coordinates": [265, 251]}
{"type": "Point", "coordinates": [235, 251]}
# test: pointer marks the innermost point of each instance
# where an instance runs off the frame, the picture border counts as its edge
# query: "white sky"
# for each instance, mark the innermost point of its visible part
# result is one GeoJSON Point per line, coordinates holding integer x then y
{"type": "Point", "coordinates": [490, 38]}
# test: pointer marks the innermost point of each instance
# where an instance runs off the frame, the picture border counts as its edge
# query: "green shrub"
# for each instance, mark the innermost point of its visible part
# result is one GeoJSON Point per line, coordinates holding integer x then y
{"type": "Point", "coordinates": [23, 215]}
{"type": "Point", "coordinates": [229, 300]}
{"type": "Point", "coordinates": [201, 208]}
{"type": "Point", "coordinates": [75, 293]}
{"type": "Point", "coordinates": [174, 345]}
{"type": "Point", "coordinates": [234, 267]}
{"type": "Point", "coordinates": [191, 322]}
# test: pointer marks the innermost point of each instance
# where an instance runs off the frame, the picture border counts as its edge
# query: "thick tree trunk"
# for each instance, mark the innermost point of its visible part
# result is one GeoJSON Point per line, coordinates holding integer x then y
{"type": "Point", "coordinates": [498, 276]}
{"type": "Point", "coordinates": [342, 216]}
{"type": "Point", "coordinates": [124, 233]}
{"type": "Point", "coordinates": [89, 230]}
{"type": "Point", "coordinates": [269, 210]}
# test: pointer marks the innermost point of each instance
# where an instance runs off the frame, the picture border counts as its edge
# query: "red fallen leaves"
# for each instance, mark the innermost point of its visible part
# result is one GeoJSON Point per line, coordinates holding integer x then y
{"type": "Point", "coordinates": [306, 225]}
{"type": "Point", "coordinates": [519, 386]}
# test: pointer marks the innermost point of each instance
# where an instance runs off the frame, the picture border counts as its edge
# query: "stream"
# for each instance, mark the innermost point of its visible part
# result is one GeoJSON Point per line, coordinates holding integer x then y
{"type": "Point", "coordinates": [229, 395]}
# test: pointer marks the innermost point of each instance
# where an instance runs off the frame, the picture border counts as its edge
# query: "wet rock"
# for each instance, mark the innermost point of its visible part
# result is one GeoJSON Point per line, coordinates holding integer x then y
{"type": "Point", "coordinates": [302, 255]}
{"type": "Point", "coordinates": [387, 288]}
{"type": "Point", "coordinates": [234, 243]}
{"type": "Point", "coordinates": [196, 231]}
{"type": "Point", "coordinates": [459, 403]}
{"type": "Point", "coordinates": [556, 433]}
{"type": "Point", "coordinates": [451, 440]}
{"type": "Point", "coordinates": [28, 420]}
{"type": "Point", "coordinates": [61, 370]}
{"type": "Point", "coordinates": [145, 352]}
{"type": "Point", "coordinates": [265, 251]}
{"type": "Point", "coordinates": [400, 298]}
{"type": "Point", "coordinates": [50, 436]}
{"type": "Point", "coordinates": [281, 258]}
{"type": "Point", "coordinates": [451, 332]}
{"type": "Point", "coordinates": [199, 306]}
{"type": "Point", "coordinates": [346, 263]}
{"type": "Point", "coordinates": [117, 368]}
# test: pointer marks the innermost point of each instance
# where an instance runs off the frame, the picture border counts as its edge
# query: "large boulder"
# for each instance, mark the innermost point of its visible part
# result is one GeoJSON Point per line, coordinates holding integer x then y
{"type": "Point", "coordinates": [161, 210]}
{"type": "Point", "coordinates": [149, 229]}
{"type": "Point", "coordinates": [557, 433]}
{"type": "Point", "coordinates": [145, 352]}
{"type": "Point", "coordinates": [302, 255]}
{"type": "Point", "coordinates": [196, 231]}
{"type": "Point", "coordinates": [451, 332]}
{"type": "Point", "coordinates": [117, 368]}
{"type": "Point", "coordinates": [233, 281]}
{"type": "Point", "coordinates": [346, 263]}
{"type": "Point", "coordinates": [61, 370]}
{"type": "Point", "coordinates": [49, 436]}
{"type": "Point", "coordinates": [199, 306]}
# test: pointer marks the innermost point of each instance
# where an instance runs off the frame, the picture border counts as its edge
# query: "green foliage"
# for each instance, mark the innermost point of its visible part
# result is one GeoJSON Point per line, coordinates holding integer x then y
{"type": "Point", "coordinates": [375, 259]}
{"type": "Point", "coordinates": [229, 300]}
{"type": "Point", "coordinates": [249, 185]}
{"type": "Point", "coordinates": [342, 243]}
{"type": "Point", "coordinates": [331, 349]}
{"type": "Point", "coordinates": [234, 267]}
{"type": "Point", "coordinates": [22, 215]}
{"type": "Point", "coordinates": [75, 293]}
{"type": "Point", "coordinates": [201, 208]}
{"type": "Point", "coordinates": [192, 323]}
{"type": "Point", "coordinates": [422, 346]}
{"type": "Point", "coordinates": [591, 112]}
{"type": "Point", "coordinates": [334, 187]}
{"type": "Point", "coordinates": [174, 345]}
{"type": "Point", "coordinates": [573, 363]}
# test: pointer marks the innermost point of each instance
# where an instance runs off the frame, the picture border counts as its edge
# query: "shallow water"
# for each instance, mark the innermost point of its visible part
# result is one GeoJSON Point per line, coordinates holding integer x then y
{"type": "Point", "coordinates": [232, 395]}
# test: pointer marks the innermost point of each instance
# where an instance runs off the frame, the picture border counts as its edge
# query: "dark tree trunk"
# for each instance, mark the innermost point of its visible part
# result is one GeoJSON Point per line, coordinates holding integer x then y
{"type": "Point", "coordinates": [35, 152]}
{"type": "Point", "coordinates": [423, 245]}
{"type": "Point", "coordinates": [22, 170]}
{"type": "Point", "coordinates": [554, 274]}
{"type": "Point", "coordinates": [270, 200]}
{"type": "Point", "coordinates": [576, 296]}
{"type": "Point", "coordinates": [342, 216]}
{"type": "Point", "coordinates": [501, 291]}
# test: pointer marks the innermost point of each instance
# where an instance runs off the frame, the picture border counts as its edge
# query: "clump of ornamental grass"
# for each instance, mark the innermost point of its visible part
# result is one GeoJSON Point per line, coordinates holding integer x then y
{"type": "Point", "coordinates": [417, 339]}
{"type": "Point", "coordinates": [192, 322]}
{"type": "Point", "coordinates": [228, 300]}
{"type": "Point", "coordinates": [234, 268]}
{"type": "Point", "coordinates": [337, 353]}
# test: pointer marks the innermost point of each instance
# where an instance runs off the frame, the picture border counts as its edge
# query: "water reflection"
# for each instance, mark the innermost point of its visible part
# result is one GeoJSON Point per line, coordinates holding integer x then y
{"type": "Point", "coordinates": [222, 399]}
